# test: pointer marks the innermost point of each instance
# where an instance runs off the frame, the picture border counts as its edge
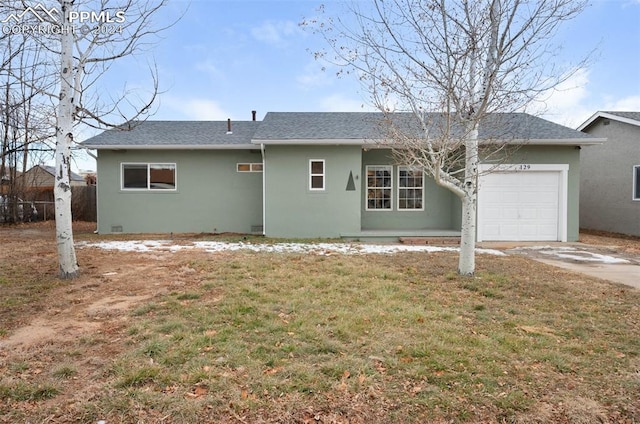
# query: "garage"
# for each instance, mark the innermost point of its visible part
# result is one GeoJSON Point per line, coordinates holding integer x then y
{"type": "Point", "coordinates": [522, 202]}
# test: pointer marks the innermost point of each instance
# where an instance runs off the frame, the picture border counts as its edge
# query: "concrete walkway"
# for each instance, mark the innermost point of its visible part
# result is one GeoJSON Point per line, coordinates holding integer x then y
{"type": "Point", "coordinates": [595, 261]}
{"type": "Point", "coordinates": [628, 274]}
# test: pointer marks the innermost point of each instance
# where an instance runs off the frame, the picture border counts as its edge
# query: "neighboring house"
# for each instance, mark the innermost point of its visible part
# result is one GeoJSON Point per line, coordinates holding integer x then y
{"type": "Point", "coordinates": [325, 175]}
{"type": "Point", "coordinates": [41, 178]}
{"type": "Point", "coordinates": [610, 174]}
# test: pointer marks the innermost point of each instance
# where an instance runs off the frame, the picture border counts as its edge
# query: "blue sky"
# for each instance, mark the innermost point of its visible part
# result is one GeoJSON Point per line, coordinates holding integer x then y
{"type": "Point", "coordinates": [226, 58]}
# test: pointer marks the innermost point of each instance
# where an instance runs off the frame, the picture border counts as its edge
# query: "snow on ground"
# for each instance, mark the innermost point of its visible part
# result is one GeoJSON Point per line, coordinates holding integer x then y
{"type": "Point", "coordinates": [311, 248]}
{"type": "Point", "coordinates": [572, 253]}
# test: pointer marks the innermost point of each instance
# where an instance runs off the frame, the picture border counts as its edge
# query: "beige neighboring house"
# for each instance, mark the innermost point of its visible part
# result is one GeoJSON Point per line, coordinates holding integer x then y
{"type": "Point", "coordinates": [42, 178]}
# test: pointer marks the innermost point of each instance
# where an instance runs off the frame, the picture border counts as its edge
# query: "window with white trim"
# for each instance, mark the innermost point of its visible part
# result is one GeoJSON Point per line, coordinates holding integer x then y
{"type": "Point", "coordinates": [410, 188]}
{"type": "Point", "coordinates": [379, 187]}
{"type": "Point", "coordinates": [249, 167]}
{"type": "Point", "coordinates": [316, 174]}
{"type": "Point", "coordinates": [149, 176]}
{"type": "Point", "coordinates": [636, 182]}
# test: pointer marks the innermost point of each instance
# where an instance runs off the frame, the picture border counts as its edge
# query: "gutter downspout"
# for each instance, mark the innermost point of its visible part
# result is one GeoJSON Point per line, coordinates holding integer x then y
{"type": "Point", "coordinates": [264, 190]}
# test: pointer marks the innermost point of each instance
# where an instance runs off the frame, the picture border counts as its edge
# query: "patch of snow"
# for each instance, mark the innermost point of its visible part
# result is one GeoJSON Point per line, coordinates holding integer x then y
{"type": "Point", "coordinates": [584, 256]}
{"type": "Point", "coordinates": [545, 247]}
{"type": "Point", "coordinates": [572, 253]}
{"type": "Point", "coordinates": [311, 248]}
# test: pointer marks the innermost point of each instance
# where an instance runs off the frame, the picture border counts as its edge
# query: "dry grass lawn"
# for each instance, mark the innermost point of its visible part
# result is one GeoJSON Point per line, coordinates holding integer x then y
{"type": "Point", "coordinates": [239, 337]}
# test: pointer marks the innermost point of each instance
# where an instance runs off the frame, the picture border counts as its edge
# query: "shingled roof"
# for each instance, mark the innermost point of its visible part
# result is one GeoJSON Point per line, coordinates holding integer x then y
{"type": "Point", "coordinates": [333, 128]}
{"type": "Point", "coordinates": [176, 135]}
{"type": "Point", "coordinates": [52, 170]}
{"type": "Point", "coordinates": [363, 127]}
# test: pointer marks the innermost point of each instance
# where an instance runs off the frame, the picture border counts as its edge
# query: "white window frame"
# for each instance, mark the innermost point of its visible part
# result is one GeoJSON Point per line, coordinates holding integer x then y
{"type": "Point", "coordinates": [149, 165]}
{"type": "Point", "coordinates": [253, 167]}
{"type": "Point", "coordinates": [636, 183]}
{"type": "Point", "coordinates": [390, 188]}
{"type": "Point", "coordinates": [312, 175]}
{"type": "Point", "coordinates": [410, 168]}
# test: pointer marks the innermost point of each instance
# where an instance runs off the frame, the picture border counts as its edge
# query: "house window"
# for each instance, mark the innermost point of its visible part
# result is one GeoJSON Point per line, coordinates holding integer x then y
{"type": "Point", "coordinates": [316, 174]}
{"type": "Point", "coordinates": [148, 176]}
{"type": "Point", "coordinates": [249, 167]}
{"type": "Point", "coordinates": [410, 188]}
{"type": "Point", "coordinates": [636, 182]}
{"type": "Point", "coordinates": [379, 187]}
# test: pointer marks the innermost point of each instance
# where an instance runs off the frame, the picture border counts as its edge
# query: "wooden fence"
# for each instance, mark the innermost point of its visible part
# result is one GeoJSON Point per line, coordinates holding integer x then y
{"type": "Point", "coordinates": [83, 206]}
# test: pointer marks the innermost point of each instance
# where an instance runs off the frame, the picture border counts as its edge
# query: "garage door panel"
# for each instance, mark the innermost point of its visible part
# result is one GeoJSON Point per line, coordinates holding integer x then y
{"type": "Point", "coordinates": [492, 230]}
{"type": "Point", "coordinates": [549, 214]}
{"type": "Point", "coordinates": [492, 196]}
{"type": "Point", "coordinates": [528, 231]}
{"type": "Point", "coordinates": [509, 196]}
{"type": "Point", "coordinates": [507, 232]}
{"type": "Point", "coordinates": [508, 213]}
{"type": "Point", "coordinates": [548, 196]}
{"type": "Point", "coordinates": [494, 212]}
{"type": "Point", "coordinates": [528, 214]}
{"type": "Point", "coordinates": [550, 231]}
{"type": "Point", "coordinates": [520, 205]}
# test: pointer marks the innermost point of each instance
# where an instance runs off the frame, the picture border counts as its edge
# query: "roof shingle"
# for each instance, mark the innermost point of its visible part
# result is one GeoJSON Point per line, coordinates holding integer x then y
{"type": "Point", "coordinates": [175, 134]}
{"type": "Point", "coordinates": [319, 127]}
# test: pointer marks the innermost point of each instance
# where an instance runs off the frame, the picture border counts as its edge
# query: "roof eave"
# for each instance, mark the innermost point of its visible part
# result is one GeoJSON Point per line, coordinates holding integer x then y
{"type": "Point", "coordinates": [598, 115]}
{"type": "Point", "coordinates": [173, 147]}
{"type": "Point", "coordinates": [316, 142]}
{"type": "Point", "coordinates": [384, 143]}
{"type": "Point", "coordinates": [550, 142]}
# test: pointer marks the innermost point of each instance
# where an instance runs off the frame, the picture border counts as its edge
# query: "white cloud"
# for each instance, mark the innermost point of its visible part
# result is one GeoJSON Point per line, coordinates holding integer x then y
{"type": "Point", "coordinates": [276, 32]}
{"type": "Point", "coordinates": [626, 104]}
{"type": "Point", "coordinates": [193, 109]}
{"type": "Point", "coordinates": [567, 104]}
{"type": "Point", "coordinates": [573, 102]}
{"type": "Point", "coordinates": [209, 68]}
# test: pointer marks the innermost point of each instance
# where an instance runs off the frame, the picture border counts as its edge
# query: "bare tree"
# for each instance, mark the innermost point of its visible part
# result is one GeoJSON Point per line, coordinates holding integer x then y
{"type": "Point", "coordinates": [23, 118]}
{"type": "Point", "coordinates": [449, 65]}
{"type": "Point", "coordinates": [88, 37]}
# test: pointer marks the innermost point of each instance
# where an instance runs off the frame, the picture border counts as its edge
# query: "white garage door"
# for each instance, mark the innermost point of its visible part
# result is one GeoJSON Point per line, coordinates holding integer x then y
{"type": "Point", "coordinates": [520, 206]}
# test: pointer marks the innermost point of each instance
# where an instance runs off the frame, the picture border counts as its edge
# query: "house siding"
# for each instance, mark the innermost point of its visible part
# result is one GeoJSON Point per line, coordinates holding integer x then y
{"type": "Point", "coordinates": [210, 197]}
{"type": "Point", "coordinates": [606, 179]}
{"type": "Point", "coordinates": [439, 203]}
{"type": "Point", "coordinates": [293, 210]}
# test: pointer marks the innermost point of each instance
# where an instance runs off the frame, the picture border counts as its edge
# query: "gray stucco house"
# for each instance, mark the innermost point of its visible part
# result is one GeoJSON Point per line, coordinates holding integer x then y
{"type": "Point", "coordinates": [325, 175]}
{"type": "Point", "coordinates": [610, 174]}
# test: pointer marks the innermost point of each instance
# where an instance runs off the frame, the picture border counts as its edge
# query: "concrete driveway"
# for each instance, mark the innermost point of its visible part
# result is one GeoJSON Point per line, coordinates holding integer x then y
{"type": "Point", "coordinates": [607, 263]}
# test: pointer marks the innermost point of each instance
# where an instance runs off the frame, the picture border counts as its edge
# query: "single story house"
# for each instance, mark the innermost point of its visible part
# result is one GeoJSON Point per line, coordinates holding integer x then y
{"type": "Point", "coordinates": [307, 175]}
{"type": "Point", "coordinates": [610, 174]}
{"type": "Point", "coordinates": [42, 178]}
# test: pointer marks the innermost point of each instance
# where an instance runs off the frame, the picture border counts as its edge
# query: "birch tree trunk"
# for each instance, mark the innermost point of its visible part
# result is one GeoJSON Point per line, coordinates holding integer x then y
{"type": "Point", "coordinates": [467, 261]}
{"type": "Point", "coordinates": [68, 265]}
